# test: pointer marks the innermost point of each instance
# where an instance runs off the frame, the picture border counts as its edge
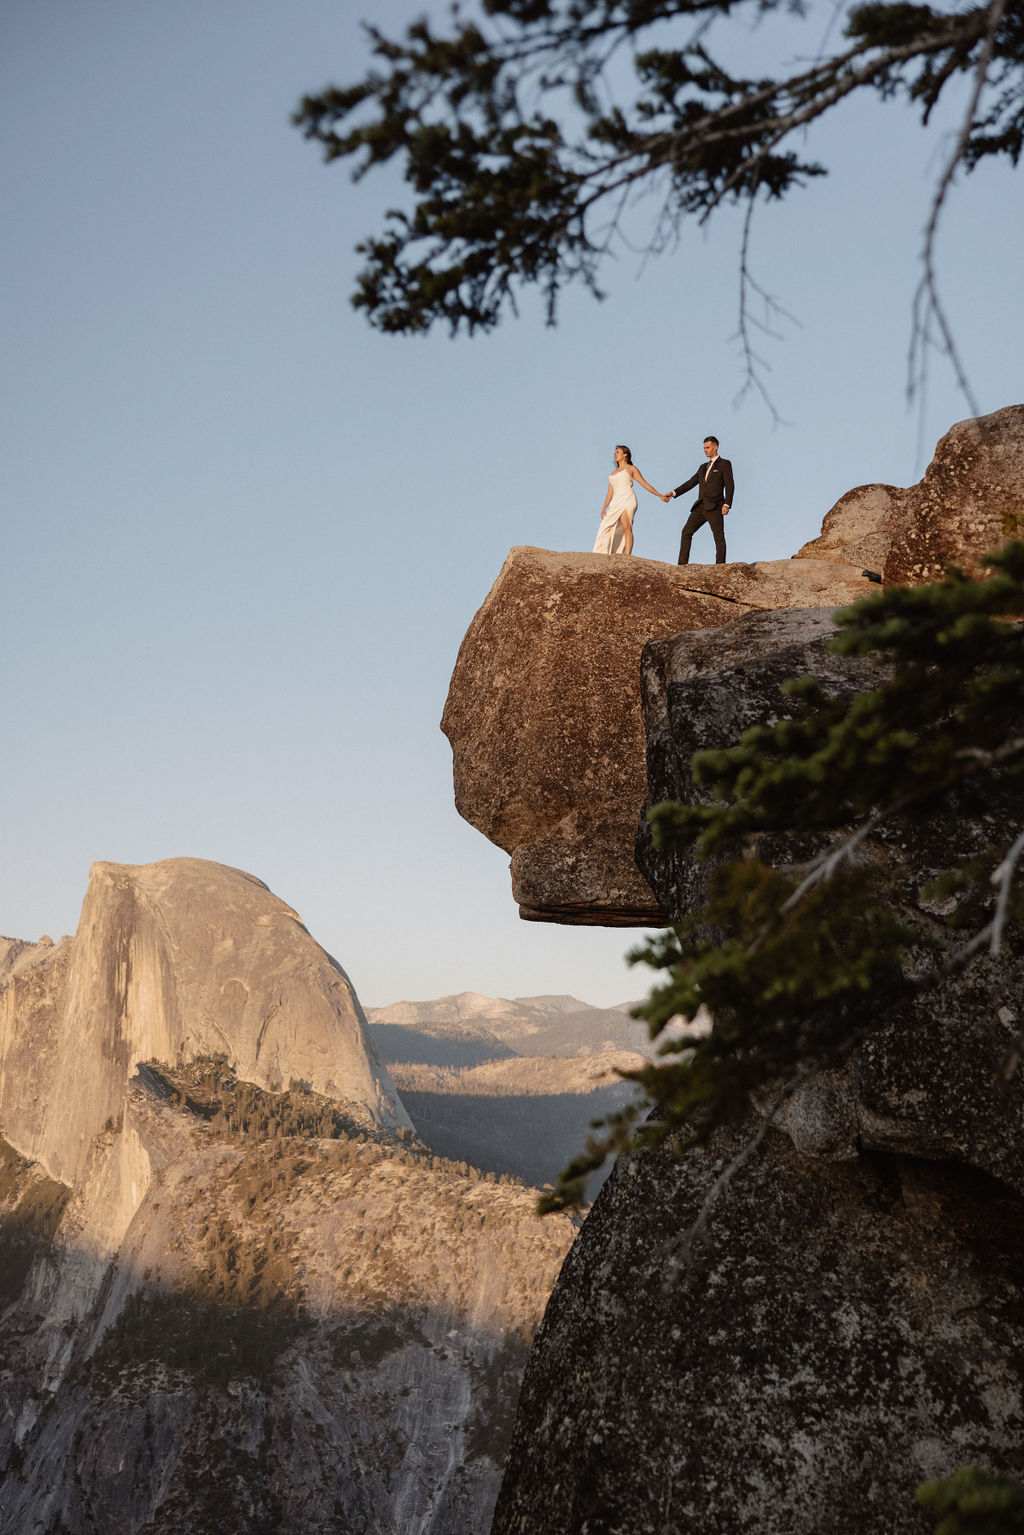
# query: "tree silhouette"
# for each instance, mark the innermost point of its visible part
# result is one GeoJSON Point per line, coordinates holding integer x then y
{"type": "Point", "coordinates": [520, 159]}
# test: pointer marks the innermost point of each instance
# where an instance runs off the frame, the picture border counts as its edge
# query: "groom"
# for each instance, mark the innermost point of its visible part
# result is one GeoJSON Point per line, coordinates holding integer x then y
{"type": "Point", "coordinates": [713, 503]}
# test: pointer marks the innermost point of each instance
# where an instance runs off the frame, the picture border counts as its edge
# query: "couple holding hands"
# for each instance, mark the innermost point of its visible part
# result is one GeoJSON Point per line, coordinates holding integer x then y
{"type": "Point", "coordinates": [714, 477]}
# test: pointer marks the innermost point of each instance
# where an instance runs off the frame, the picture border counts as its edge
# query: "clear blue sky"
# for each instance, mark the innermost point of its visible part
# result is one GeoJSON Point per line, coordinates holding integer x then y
{"type": "Point", "coordinates": [243, 534]}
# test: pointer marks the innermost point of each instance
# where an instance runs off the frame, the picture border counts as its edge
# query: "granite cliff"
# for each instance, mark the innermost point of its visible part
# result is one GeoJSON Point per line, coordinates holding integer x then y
{"type": "Point", "coordinates": [173, 960]}
{"type": "Point", "coordinates": [850, 1319]}
{"type": "Point", "coordinates": [852, 1322]}
{"type": "Point", "coordinates": [237, 1292]}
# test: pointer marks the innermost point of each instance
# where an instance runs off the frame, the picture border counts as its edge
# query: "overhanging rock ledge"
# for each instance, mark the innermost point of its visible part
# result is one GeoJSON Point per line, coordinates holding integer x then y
{"type": "Point", "coordinates": [544, 713]}
{"type": "Point", "coordinates": [544, 718]}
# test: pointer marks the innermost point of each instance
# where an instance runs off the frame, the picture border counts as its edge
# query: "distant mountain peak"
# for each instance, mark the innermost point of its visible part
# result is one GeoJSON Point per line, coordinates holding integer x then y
{"type": "Point", "coordinates": [556, 1004]}
{"type": "Point", "coordinates": [172, 960]}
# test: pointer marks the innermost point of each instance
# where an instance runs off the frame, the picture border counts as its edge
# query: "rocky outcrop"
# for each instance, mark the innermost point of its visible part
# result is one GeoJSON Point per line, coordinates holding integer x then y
{"type": "Point", "coordinates": [858, 527]}
{"type": "Point", "coordinates": [970, 501]}
{"type": "Point", "coordinates": [229, 1300]}
{"type": "Point", "coordinates": [849, 1322]}
{"type": "Point", "coordinates": [173, 960]}
{"type": "Point", "coordinates": [543, 712]}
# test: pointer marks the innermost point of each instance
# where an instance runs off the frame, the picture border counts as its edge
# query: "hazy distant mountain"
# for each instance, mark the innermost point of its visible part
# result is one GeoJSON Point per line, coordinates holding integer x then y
{"type": "Point", "coordinates": [467, 1005]}
{"type": "Point", "coordinates": [468, 1029]}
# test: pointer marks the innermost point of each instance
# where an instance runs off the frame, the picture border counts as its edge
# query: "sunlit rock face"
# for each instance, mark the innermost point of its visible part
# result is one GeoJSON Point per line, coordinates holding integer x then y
{"type": "Point", "coordinates": [859, 527]}
{"type": "Point", "coordinates": [172, 960]}
{"type": "Point", "coordinates": [970, 501]}
{"type": "Point", "coordinates": [543, 713]}
{"type": "Point", "coordinates": [224, 1305]}
{"type": "Point", "coordinates": [295, 1334]}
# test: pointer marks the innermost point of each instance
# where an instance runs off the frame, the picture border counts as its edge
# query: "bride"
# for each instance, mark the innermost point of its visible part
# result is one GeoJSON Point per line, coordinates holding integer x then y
{"type": "Point", "coordinates": [615, 535]}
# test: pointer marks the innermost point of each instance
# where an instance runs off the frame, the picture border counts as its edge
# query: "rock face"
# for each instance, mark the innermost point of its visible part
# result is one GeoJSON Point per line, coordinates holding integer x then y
{"type": "Point", "coordinates": [702, 691]}
{"type": "Point", "coordinates": [971, 500]}
{"type": "Point", "coordinates": [297, 1334]}
{"type": "Point", "coordinates": [851, 1322]}
{"type": "Point", "coordinates": [844, 1331]}
{"type": "Point", "coordinates": [925, 1085]}
{"type": "Point", "coordinates": [223, 1306]}
{"type": "Point", "coordinates": [859, 527]}
{"type": "Point", "coordinates": [543, 713]}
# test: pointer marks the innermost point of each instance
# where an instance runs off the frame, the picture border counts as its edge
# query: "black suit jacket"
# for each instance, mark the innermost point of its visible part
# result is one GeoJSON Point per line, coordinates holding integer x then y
{"type": "Point", "coordinates": [716, 484]}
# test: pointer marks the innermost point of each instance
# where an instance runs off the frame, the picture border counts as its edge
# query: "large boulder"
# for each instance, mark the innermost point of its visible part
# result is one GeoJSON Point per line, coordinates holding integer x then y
{"type": "Point", "coordinates": [970, 501]}
{"type": "Point", "coordinates": [543, 713]}
{"type": "Point", "coordinates": [858, 527]}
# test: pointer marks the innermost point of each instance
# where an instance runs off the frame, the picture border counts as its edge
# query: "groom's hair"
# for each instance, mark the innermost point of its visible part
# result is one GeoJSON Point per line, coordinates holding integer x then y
{"type": "Point", "coordinates": [709, 438]}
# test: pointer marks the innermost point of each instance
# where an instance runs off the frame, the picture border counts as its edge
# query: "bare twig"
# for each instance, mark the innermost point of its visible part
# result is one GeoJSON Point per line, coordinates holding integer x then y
{"type": "Point", "coordinates": [927, 303]}
{"type": "Point", "coordinates": [751, 362]}
{"type": "Point", "coordinates": [983, 758]}
{"type": "Point", "coordinates": [974, 759]}
{"type": "Point", "coordinates": [826, 863]}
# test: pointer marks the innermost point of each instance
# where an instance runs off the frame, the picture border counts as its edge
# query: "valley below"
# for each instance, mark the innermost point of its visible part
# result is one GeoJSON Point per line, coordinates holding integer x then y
{"type": "Point", "coordinates": [510, 1087]}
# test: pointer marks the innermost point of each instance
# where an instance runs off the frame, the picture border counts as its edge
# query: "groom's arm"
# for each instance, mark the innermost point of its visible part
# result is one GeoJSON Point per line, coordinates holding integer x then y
{"type": "Point", "coordinates": [687, 484]}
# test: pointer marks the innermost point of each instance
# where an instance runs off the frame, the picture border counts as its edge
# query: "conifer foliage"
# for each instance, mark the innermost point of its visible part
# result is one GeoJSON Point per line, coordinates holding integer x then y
{"type": "Point", "coordinates": [522, 127]}
{"type": "Point", "coordinates": [798, 962]}
{"type": "Point", "coordinates": [974, 1502]}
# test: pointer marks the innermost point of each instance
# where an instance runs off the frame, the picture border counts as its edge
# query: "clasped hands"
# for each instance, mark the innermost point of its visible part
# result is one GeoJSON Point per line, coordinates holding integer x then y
{"type": "Point", "coordinates": [669, 497]}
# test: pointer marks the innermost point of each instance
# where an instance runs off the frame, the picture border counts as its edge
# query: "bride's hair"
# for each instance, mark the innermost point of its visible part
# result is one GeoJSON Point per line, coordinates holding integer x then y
{"type": "Point", "coordinates": [629, 456]}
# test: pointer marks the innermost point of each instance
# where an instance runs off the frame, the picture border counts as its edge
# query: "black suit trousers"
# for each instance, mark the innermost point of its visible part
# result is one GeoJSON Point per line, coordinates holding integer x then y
{"type": "Point", "coordinates": [699, 515]}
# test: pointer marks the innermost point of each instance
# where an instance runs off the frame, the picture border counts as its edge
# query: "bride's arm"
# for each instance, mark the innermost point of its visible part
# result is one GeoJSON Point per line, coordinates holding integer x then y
{"type": "Point", "coordinates": [638, 476]}
{"type": "Point", "coordinates": [608, 497]}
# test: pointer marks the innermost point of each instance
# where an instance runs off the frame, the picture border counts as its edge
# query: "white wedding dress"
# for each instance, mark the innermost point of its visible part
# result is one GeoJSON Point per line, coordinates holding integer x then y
{"type": "Point", "coordinates": [610, 537]}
